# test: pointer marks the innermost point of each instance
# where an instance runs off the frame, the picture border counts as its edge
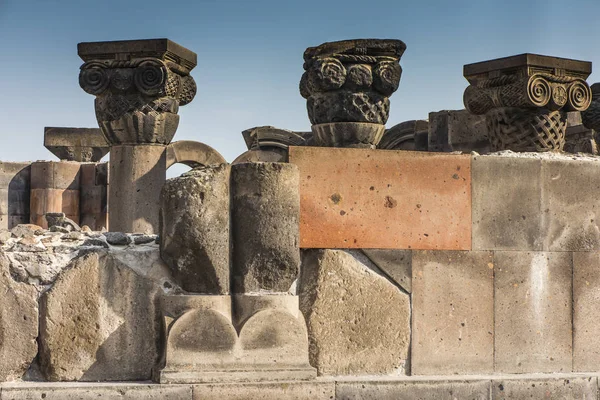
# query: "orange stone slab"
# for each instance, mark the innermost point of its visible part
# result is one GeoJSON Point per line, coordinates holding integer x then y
{"type": "Point", "coordinates": [362, 198]}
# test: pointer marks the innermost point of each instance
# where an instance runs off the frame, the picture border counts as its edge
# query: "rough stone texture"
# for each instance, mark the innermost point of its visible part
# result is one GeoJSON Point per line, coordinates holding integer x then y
{"type": "Point", "coordinates": [457, 130]}
{"type": "Point", "coordinates": [533, 312]}
{"type": "Point", "coordinates": [586, 314]}
{"type": "Point", "coordinates": [570, 204]}
{"type": "Point", "coordinates": [112, 391]}
{"type": "Point", "coordinates": [396, 264]}
{"type": "Point", "coordinates": [360, 198]}
{"type": "Point", "coordinates": [100, 321]}
{"type": "Point", "coordinates": [270, 155]}
{"type": "Point", "coordinates": [533, 202]}
{"type": "Point", "coordinates": [193, 154]}
{"type": "Point", "coordinates": [267, 391]}
{"type": "Point", "coordinates": [18, 324]}
{"type": "Point", "coordinates": [358, 322]}
{"type": "Point", "coordinates": [94, 198]}
{"type": "Point", "coordinates": [413, 390]}
{"type": "Point", "coordinates": [117, 238]}
{"type": "Point", "coordinates": [15, 180]}
{"type": "Point", "coordinates": [573, 388]}
{"type": "Point", "coordinates": [506, 203]}
{"type": "Point", "coordinates": [194, 226]}
{"type": "Point", "coordinates": [265, 217]}
{"type": "Point", "coordinates": [137, 174]}
{"type": "Point", "coordinates": [453, 313]}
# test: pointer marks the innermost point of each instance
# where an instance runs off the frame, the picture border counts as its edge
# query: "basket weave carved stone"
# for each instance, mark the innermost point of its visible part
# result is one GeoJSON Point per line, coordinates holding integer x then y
{"type": "Point", "coordinates": [525, 130]}
{"type": "Point", "coordinates": [525, 99]}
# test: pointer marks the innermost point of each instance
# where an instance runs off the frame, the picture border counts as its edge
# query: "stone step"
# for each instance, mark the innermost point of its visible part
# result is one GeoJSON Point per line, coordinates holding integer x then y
{"type": "Point", "coordinates": [458, 387]}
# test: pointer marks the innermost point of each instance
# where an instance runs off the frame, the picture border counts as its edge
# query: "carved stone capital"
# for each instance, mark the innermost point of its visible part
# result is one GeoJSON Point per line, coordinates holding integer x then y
{"type": "Point", "coordinates": [139, 86]}
{"type": "Point", "coordinates": [351, 80]}
{"type": "Point", "coordinates": [525, 98]}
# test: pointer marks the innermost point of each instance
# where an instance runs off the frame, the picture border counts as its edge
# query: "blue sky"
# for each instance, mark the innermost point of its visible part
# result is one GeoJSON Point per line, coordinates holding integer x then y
{"type": "Point", "coordinates": [250, 55]}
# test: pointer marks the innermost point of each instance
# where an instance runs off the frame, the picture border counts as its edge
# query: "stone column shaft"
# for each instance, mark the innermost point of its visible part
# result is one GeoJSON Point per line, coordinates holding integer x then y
{"type": "Point", "coordinates": [137, 174]}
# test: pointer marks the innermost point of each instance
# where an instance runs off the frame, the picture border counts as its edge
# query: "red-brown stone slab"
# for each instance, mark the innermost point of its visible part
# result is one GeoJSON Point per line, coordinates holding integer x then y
{"type": "Point", "coordinates": [362, 198]}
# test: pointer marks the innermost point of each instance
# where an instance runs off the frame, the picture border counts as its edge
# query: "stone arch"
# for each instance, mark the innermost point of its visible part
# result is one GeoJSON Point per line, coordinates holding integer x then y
{"type": "Point", "coordinates": [193, 154]}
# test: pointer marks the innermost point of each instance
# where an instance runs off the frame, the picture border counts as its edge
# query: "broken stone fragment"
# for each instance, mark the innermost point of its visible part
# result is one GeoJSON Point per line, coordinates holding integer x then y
{"type": "Point", "coordinates": [265, 223]}
{"type": "Point", "coordinates": [358, 321]}
{"type": "Point", "coordinates": [143, 239]}
{"type": "Point", "coordinates": [194, 226]}
{"type": "Point", "coordinates": [99, 322]}
{"type": "Point", "coordinates": [117, 238]}
{"type": "Point", "coordinates": [59, 219]}
{"type": "Point", "coordinates": [18, 324]}
{"type": "Point", "coordinates": [4, 236]}
{"type": "Point", "coordinates": [23, 230]}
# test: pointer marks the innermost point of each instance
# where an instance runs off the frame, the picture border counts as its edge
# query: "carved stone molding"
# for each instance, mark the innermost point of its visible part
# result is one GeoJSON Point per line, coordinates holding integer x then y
{"type": "Point", "coordinates": [525, 99]}
{"type": "Point", "coordinates": [139, 86]}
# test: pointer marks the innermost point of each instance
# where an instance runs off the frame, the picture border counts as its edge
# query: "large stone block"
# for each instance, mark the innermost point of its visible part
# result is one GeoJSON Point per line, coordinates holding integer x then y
{"type": "Point", "coordinates": [358, 321]}
{"type": "Point", "coordinates": [453, 313]}
{"type": "Point", "coordinates": [586, 312]}
{"type": "Point", "coordinates": [533, 312]}
{"type": "Point", "coordinates": [194, 225]}
{"type": "Point", "coordinates": [266, 391]}
{"type": "Point", "coordinates": [106, 391]}
{"type": "Point", "coordinates": [265, 213]}
{"type": "Point", "coordinates": [458, 130]}
{"type": "Point", "coordinates": [18, 324]}
{"type": "Point", "coordinates": [507, 203]}
{"type": "Point", "coordinates": [571, 388]}
{"type": "Point", "coordinates": [55, 175]}
{"type": "Point", "coordinates": [570, 204]}
{"type": "Point", "coordinates": [536, 202]}
{"type": "Point", "coordinates": [413, 390]}
{"type": "Point", "coordinates": [383, 199]}
{"type": "Point", "coordinates": [15, 175]}
{"type": "Point", "coordinates": [100, 321]}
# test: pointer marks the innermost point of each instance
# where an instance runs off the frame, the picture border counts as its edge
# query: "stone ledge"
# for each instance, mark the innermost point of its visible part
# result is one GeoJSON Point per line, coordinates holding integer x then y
{"type": "Point", "coordinates": [457, 387]}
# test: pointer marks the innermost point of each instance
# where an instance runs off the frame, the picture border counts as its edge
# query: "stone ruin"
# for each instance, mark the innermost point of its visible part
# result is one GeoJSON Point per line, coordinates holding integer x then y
{"type": "Point", "coordinates": [450, 258]}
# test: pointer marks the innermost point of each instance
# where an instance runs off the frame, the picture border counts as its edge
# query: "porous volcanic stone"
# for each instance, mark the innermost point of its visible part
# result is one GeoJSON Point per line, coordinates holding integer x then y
{"type": "Point", "coordinates": [194, 226]}
{"type": "Point", "coordinates": [117, 238]}
{"type": "Point", "coordinates": [18, 324]}
{"type": "Point", "coordinates": [265, 224]}
{"type": "Point", "coordinates": [358, 322]}
{"type": "Point", "coordinates": [100, 321]}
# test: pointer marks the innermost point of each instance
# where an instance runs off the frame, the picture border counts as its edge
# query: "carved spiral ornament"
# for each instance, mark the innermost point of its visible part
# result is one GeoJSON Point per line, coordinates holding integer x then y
{"type": "Point", "coordinates": [94, 78]}
{"type": "Point", "coordinates": [327, 74]}
{"type": "Point", "coordinates": [387, 77]}
{"type": "Point", "coordinates": [539, 91]}
{"type": "Point", "coordinates": [579, 96]}
{"type": "Point", "coordinates": [359, 76]}
{"type": "Point", "coordinates": [150, 77]}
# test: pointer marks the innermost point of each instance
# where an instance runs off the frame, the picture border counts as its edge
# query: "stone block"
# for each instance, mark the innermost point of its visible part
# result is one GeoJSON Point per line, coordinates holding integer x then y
{"type": "Point", "coordinates": [14, 220]}
{"type": "Point", "coordinates": [53, 200]}
{"type": "Point", "coordinates": [507, 203]}
{"type": "Point", "coordinates": [570, 204]}
{"type": "Point", "coordinates": [55, 175]}
{"type": "Point", "coordinates": [104, 391]}
{"type": "Point", "coordinates": [396, 264]}
{"type": "Point", "coordinates": [14, 202]}
{"type": "Point", "coordinates": [100, 322]}
{"type": "Point", "coordinates": [266, 391]}
{"type": "Point", "coordinates": [358, 321]}
{"type": "Point", "coordinates": [413, 390]}
{"type": "Point", "coordinates": [533, 312]}
{"type": "Point", "coordinates": [453, 312]}
{"type": "Point", "coordinates": [586, 313]}
{"type": "Point", "coordinates": [264, 339]}
{"type": "Point", "coordinates": [360, 198]}
{"type": "Point", "coordinates": [194, 226]}
{"type": "Point", "coordinates": [92, 200]}
{"type": "Point", "coordinates": [18, 324]}
{"type": "Point", "coordinates": [458, 130]}
{"type": "Point", "coordinates": [76, 144]}
{"type": "Point", "coordinates": [15, 175]}
{"type": "Point", "coordinates": [264, 222]}
{"type": "Point", "coordinates": [571, 388]}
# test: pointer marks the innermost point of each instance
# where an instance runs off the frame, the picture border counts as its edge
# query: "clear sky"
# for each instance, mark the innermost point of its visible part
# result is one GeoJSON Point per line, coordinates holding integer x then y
{"type": "Point", "coordinates": [250, 55]}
